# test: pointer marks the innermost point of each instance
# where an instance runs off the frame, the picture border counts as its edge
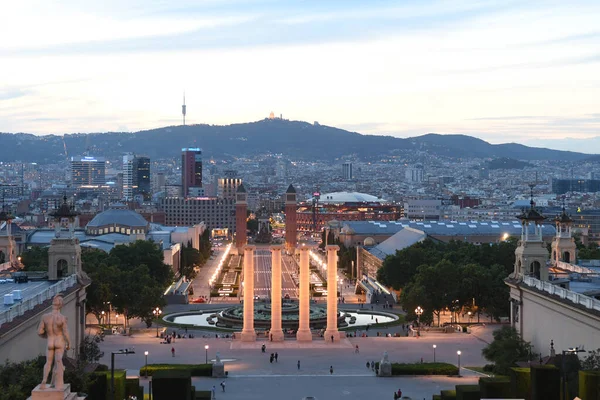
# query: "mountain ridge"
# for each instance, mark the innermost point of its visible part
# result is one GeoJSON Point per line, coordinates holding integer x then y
{"type": "Point", "coordinates": [297, 139]}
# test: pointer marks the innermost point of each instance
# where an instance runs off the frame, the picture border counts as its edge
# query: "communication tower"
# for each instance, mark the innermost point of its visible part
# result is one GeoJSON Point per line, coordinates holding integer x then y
{"type": "Point", "coordinates": [183, 108]}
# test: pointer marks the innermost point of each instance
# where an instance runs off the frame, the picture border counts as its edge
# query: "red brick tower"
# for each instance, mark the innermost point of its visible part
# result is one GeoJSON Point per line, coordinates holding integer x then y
{"type": "Point", "coordinates": [241, 211]}
{"type": "Point", "coordinates": [291, 230]}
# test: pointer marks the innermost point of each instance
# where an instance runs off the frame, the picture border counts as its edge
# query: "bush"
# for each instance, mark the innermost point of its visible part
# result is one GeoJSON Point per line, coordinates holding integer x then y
{"type": "Point", "coordinates": [99, 388]}
{"type": "Point", "coordinates": [194, 369]}
{"type": "Point", "coordinates": [520, 382]}
{"type": "Point", "coordinates": [172, 384]}
{"type": "Point", "coordinates": [424, 369]}
{"type": "Point", "coordinates": [495, 388]}
{"type": "Point", "coordinates": [203, 395]}
{"type": "Point", "coordinates": [448, 394]}
{"type": "Point", "coordinates": [436, 397]}
{"type": "Point", "coordinates": [589, 385]}
{"type": "Point", "coordinates": [467, 392]}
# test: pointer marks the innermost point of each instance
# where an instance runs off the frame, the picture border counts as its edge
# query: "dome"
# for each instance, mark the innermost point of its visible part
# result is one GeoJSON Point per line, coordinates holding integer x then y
{"type": "Point", "coordinates": [348, 197]}
{"type": "Point", "coordinates": [118, 216]}
{"type": "Point", "coordinates": [369, 242]}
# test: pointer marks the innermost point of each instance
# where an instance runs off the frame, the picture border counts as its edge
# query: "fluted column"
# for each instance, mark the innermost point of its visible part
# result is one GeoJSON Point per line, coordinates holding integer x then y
{"type": "Point", "coordinates": [248, 334]}
{"type": "Point", "coordinates": [276, 333]}
{"type": "Point", "coordinates": [332, 301]}
{"type": "Point", "coordinates": [304, 333]}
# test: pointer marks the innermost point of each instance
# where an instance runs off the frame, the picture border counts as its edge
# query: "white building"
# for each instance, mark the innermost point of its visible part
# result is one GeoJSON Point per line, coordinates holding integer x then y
{"type": "Point", "coordinates": [347, 171]}
{"type": "Point", "coordinates": [414, 174]}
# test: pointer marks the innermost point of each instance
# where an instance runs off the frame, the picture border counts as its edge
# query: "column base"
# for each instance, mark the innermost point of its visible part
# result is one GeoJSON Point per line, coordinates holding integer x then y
{"type": "Point", "coordinates": [276, 336]}
{"type": "Point", "coordinates": [328, 334]}
{"type": "Point", "coordinates": [248, 336]}
{"type": "Point", "coordinates": [304, 336]}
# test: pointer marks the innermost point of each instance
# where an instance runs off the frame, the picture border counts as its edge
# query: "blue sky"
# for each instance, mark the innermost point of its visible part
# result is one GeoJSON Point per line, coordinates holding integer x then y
{"type": "Point", "coordinates": [500, 70]}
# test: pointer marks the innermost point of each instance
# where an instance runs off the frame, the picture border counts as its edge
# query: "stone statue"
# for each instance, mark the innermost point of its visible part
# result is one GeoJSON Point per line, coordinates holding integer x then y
{"type": "Point", "coordinates": [385, 357]}
{"type": "Point", "coordinates": [53, 326]}
{"type": "Point", "coordinates": [217, 358]}
{"type": "Point", "coordinates": [385, 366]}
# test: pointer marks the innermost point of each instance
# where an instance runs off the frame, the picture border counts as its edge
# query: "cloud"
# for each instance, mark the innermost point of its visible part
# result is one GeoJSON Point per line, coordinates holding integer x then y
{"type": "Point", "coordinates": [9, 94]}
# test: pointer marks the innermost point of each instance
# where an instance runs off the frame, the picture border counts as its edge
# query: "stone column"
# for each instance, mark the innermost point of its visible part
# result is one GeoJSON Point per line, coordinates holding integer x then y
{"type": "Point", "coordinates": [332, 299]}
{"type": "Point", "coordinates": [304, 333]}
{"type": "Point", "coordinates": [276, 334]}
{"type": "Point", "coordinates": [248, 334]}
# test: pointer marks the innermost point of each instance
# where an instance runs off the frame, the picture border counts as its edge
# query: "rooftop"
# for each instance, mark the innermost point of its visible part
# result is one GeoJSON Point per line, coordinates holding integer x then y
{"type": "Point", "coordinates": [348, 197]}
{"type": "Point", "coordinates": [118, 216]}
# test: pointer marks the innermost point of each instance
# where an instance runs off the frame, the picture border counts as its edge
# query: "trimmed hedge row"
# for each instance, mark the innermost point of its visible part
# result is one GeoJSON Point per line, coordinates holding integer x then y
{"type": "Point", "coordinates": [495, 388]}
{"type": "Point", "coordinates": [193, 369]}
{"type": "Point", "coordinates": [100, 386]}
{"type": "Point", "coordinates": [424, 369]}
{"type": "Point", "coordinates": [589, 385]}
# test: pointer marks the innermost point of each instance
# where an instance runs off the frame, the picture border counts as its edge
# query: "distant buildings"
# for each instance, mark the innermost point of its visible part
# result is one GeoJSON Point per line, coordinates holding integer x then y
{"type": "Point", "coordinates": [414, 174]}
{"type": "Point", "coordinates": [226, 187]}
{"type": "Point", "coordinates": [217, 214]}
{"type": "Point", "coordinates": [88, 171]}
{"type": "Point", "coordinates": [562, 186]}
{"type": "Point", "coordinates": [423, 209]}
{"type": "Point", "coordinates": [347, 171]}
{"type": "Point", "coordinates": [191, 172]}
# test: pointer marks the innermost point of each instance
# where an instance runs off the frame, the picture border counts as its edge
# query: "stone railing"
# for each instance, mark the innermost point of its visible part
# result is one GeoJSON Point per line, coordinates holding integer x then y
{"type": "Point", "coordinates": [577, 298]}
{"type": "Point", "coordinates": [575, 268]}
{"type": "Point", "coordinates": [20, 307]}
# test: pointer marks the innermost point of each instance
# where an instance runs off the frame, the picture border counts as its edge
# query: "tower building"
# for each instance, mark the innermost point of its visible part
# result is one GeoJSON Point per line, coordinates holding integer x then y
{"type": "Point", "coordinates": [563, 245]}
{"type": "Point", "coordinates": [183, 109]}
{"type": "Point", "coordinates": [531, 254]}
{"type": "Point", "coordinates": [64, 254]}
{"type": "Point", "coordinates": [88, 171]}
{"type": "Point", "coordinates": [191, 172]}
{"type": "Point", "coordinates": [291, 228]}
{"type": "Point", "coordinates": [347, 171]}
{"type": "Point", "coordinates": [241, 211]}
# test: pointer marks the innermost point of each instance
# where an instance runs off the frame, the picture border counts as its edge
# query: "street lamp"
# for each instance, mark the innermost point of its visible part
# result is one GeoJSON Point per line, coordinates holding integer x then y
{"type": "Point", "coordinates": [157, 311]}
{"type": "Point", "coordinates": [146, 354]}
{"type": "Point", "coordinates": [434, 347]}
{"type": "Point", "coordinates": [206, 350]}
{"type": "Point", "coordinates": [573, 350]}
{"type": "Point", "coordinates": [470, 316]}
{"type": "Point", "coordinates": [418, 311]}
{"type": "Point", "coordinates": [112, 369]}
{"type": "Point", "coordinates": [103, 321]}
{"type": "Point", "coordinates": [458, 353]}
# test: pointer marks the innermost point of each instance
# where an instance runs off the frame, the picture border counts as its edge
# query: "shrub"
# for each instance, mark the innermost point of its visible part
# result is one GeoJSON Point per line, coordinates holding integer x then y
{"type": "Point", "coordinates": [467, 392]}
{"type": "Point", "coordinates": [520, 382]}
{"type": "Point", "coordinates": [203, 395]}
{"type": "Point", "coordinates": [424, 369]}
{"type": "Point", "coordinates": [589, 385]}
{"type": "Point", "coordinates": [495, 388]}
{"type": "Point", "coordinates": [99, 388]}
{"type": "Point", "coordinates": [448, 394]}
{"type": "Point", "coordinates": [194, 369]}
{"type": "Point", "coordinates": [172, 384]}
{"type": "Point", "coordinates": [545, 383]}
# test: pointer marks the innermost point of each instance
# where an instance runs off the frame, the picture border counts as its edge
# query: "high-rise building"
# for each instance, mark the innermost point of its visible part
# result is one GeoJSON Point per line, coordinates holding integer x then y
{"type": "Point", "coordinates": [88, 171]}
{"type": "Point", "coordinates": [414, 174]}
{"type": "Point", "coordinates": [191, 171]}
{"type": "Point", "coordinates": [347, 171]}
{"type": "Point", "coordinates": [136, 176]}
{"type": "Point", "coordinates": [227, 186]}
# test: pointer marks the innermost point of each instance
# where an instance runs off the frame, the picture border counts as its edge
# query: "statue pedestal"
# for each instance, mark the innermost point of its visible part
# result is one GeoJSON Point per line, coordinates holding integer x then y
{"type": "Point", "coordinates": [53, 393]}
{"type": "Point", "coordinates": [218, 370]}
{"type": "Point", "coordinates": [385, 368]}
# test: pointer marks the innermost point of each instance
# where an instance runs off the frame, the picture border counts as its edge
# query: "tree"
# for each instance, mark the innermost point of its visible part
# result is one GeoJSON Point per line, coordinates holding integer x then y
{"type": "Point", "coordinates": [190, 258]}
{"type": "Point", "coordinates": [35, 259]}
{"type": "Point", "coordinates": [142, 252]}
{"type": "Point", "coordinates": [592, 361]}
{"type": "Point", "coordinates": [506, 349]}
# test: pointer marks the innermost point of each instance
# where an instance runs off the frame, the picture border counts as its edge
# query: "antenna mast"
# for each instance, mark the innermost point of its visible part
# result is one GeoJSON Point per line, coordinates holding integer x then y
{"type": "Point", "coordinates": [183, 109]}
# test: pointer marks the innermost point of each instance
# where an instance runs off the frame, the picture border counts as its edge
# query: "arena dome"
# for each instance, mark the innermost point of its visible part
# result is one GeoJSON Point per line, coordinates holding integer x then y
{"type": "Point", "coordinates": [117, 220]}
{"type": "Point", "coordinates": [348, 197]}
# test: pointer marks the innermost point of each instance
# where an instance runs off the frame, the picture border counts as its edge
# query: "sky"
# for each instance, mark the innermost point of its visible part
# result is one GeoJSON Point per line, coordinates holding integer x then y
{"type": "Point", "coordinates": [503, 71]}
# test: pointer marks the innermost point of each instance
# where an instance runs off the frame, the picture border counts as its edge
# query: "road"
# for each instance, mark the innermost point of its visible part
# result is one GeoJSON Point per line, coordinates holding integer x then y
{"type": "Point", "coordinates": [262, 275]}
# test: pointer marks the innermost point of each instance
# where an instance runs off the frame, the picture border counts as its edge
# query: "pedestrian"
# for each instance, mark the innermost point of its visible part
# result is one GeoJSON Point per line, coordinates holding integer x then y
{"type": "Point", "coordinates": [331, 338]}
{"type": "Point", "coordinates": [356, 350]}
{"type": "Point", "coordinates": [223, 385]}
{"type": "Point", "coordinates": [276, 356]}
{"type": "Point", "coordinates": [214, 392]}
{"type": "Point", "coordinates": [331, 370]}
{"type": "Point", "coordinates": [298, 365]}
{"type": "Point", "coordinates": [271, 358]}
{"type": "Point", "coordinates": [399, 393]}
{"type": "Point", "coordinates": [271, 337]}
{"type": "Point", "coordinates": [368, 365]}
{"type": "Point", "coordinates": [373, 365]}
{"type": "Point", "coordinates": [173, 351]}
{"type": "Point", "coordinates": [376, 320]}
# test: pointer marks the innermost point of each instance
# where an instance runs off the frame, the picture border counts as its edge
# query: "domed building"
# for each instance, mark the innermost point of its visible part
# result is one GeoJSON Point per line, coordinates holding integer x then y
{"type": "Point", "coordinates": [344, 206]}
{"type": "Point", "coordinates": [117, 219]}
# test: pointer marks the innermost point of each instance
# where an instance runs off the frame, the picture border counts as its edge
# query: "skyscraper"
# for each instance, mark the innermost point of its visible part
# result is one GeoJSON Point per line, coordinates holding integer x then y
{"type": "Point", "coordinates": [191, 171]}
{"type": "Point", "coordinates": [128, 176]}
{"type": "Point", "coordinates": [347, 171]}
{"type": "Point", "coordinates": [136, 176]}
{"type": "Point", "coordinates": [88, 171]}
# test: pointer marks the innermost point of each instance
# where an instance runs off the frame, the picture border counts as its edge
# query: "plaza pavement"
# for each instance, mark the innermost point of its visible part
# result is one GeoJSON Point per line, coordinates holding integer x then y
{"type": "Point", "coordinates": [252, 376]}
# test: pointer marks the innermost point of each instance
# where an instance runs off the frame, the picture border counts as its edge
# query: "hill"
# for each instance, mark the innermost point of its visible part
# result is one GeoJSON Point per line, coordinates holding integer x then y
{"type": "Point", "coordinates": [296, 139]}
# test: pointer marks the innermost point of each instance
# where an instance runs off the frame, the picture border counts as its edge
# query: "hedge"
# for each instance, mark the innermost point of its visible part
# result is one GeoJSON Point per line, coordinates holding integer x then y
{"type": "Point", "coordinates": [194, 369]}
{"type": "Point", "coordinates": [467, 392]}
{"type": "Point", "coordinates": [545, 383]}
{"type": "Point", "coordinates": [520, 382]}
{"type": "Point", "coordinates": [436, 397]}
{"type": "Point", "coordinates": [203, 395]}
{"type": "Point", "coordinates": [424, 369]}
{"type": "Point", "coordinates": [100, 387]}
{"type": "Point", "coordinates": [589, 385]}
{"type": "Point", "coordinates": [495, 388]}
{"type": "Point", "coordinates": [448, 394]}
{"type": "Point", "coordinates": [171, 385]}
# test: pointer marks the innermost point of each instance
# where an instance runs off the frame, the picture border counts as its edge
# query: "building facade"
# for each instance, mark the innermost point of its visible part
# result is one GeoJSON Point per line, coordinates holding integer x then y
{"type": "Point", "coordinates": [214, 212]}
{"type": "Point", "coordinates": [347, 171]}
{"type": "Point", "coordinates": [88, 171]}
{"type": "Point", "coordinates": [191, 171]}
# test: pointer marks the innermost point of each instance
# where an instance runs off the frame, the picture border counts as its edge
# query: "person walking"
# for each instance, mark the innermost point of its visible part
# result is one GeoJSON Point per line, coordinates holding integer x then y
{"type": "Point", "coordinates": [214, 393]}
{"type": "Point", "coordinates": [271, 358]}
{"type": "Point", "coordinates": [298, 365]}
{"type": "Point", "coordinates": [276, 356]}
{"type": "Point", "coordinates": [331, 370]}
{"type": "Point", "coordinates": [173, 351]}
{"type": "Point", "coordinates": [223, 385]}
{"type": "Point", "coordinates": [356, 350]}
{"type": "Point", "coordinates": [368, 365]}
{"type": "Point", "coordinates": [331, 338]}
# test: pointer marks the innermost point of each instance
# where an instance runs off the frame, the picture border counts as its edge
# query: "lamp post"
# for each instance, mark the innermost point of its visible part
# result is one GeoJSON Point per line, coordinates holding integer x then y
{"type": "Point", "coordinates": [157, 311]}
{"type": "Point", "coordinates": [112, 369]}
{"type": "Point", "coordinates": [206, 351]}
{"type": "Point", "coordinates": [470, 316]}
{"type": "Point", "coordinates": [418, 311]}
{"type": "Point", "coordinates": [458, 353]}
{"type": "Point", "coordinates": [103, 320]}
{"type": "Point", "coordinates": [146, 354]}
{"type": "Point", "coordinates": [572, 350]}
{"type": "Point", "coordinates": [434, 347]}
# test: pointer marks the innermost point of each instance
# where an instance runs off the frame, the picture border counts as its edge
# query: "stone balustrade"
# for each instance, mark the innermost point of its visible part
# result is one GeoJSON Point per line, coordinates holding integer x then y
{"type": "Point", "coordinates": [577, 298]}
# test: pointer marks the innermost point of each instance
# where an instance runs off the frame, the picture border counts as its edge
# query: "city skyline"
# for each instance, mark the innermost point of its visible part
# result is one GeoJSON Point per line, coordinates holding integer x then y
{"type": "Point", "coordinates": [504, 73]}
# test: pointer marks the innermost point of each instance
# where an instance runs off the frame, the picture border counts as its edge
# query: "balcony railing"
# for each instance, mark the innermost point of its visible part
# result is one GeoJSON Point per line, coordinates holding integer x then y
{"type": "Point", "coordinates": [577, 298]}
{"type": "Point", "coordinates": [21, 307]}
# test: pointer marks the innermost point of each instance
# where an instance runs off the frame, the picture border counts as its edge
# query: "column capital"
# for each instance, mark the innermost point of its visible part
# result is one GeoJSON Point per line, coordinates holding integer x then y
{"type": "Point", "coordinates": [332, 247]}
{"type": "Point", "coordinates": [276, 247]}
{"type": "Point", "coordinates": [307, 247]}
{"type": "Point", "coordinates": [250, 247]}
